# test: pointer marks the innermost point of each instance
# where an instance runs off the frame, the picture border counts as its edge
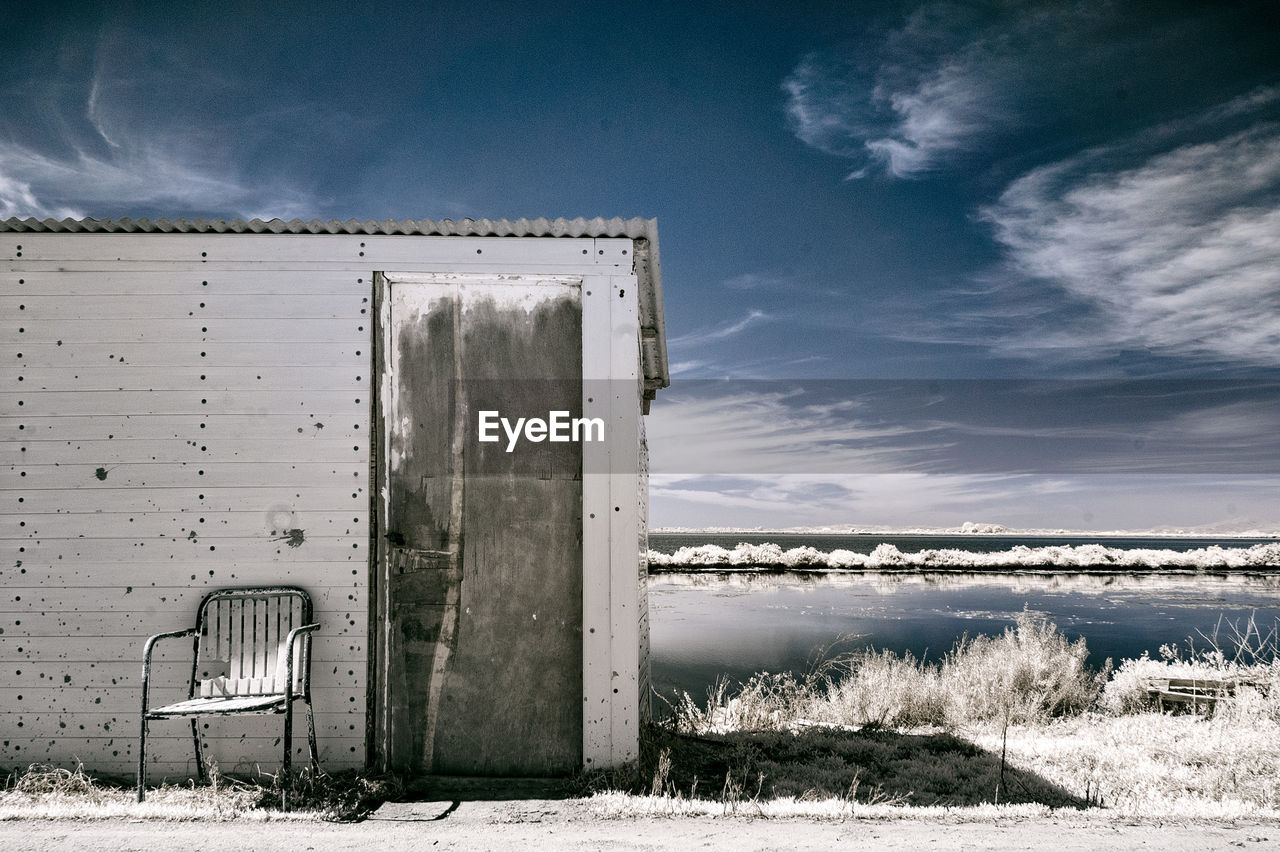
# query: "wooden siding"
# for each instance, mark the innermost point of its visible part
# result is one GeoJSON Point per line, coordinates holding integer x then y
{"type": "Point", "coordinates": [166, 433]}
{"type": "Point", "coordinates": [184, 412]}
{"type": "Point", "coordinates": [611, 525]}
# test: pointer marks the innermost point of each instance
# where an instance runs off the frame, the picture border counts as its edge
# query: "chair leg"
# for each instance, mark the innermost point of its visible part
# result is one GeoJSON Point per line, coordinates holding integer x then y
{"type": "Point", "coordinates": [286, 767]}
{"type": "Point", "coordinates": [195, 738]}
{"type": "Point", "coordinates": [142, 760]}
{"type": "Point", "coordinates": [311, 740]}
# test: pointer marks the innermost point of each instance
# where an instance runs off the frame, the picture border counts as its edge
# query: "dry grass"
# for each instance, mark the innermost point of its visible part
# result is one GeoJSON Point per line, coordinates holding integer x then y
{"type": "Point", "coordinates": [1012, 718]}
{"type": "Point", "coordinates": [1158, 765]}
{"type": "Point", "coordinates": [50, 792]}
{"type": "Point", "coordinates": [1029, 673]}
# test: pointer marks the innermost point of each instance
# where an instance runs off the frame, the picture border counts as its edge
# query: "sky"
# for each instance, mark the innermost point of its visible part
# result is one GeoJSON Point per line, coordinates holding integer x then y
{"type": "Point", "coordinates": [923, 263]}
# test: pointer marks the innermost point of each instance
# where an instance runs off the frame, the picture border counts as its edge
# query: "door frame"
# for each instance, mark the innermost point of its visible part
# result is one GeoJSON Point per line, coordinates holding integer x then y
{"type": "Point", "coordinates": [613, 571]}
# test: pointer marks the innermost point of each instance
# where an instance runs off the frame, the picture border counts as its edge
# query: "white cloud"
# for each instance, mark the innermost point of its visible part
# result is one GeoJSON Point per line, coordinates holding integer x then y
{"type": "Point", "coordinates": [1173, 251]}
{"type": "Point", "coordinates": [678, 367]}
{"type": "Point", "coordinates": [953, 109]}
{"type": "Point", "coordinates": [721, 331]}
{"type": "Point", "coordinates": [736, 327]}
{"type": "Point", "coordinates": [907, 500]}
{"type": "Point", "coordinates": [17, 199]}
{"type": "Point", "coordinates": [142, 173]}
{"type": "Point", "coordinates": [959, 83]}
{"type": "Point", "coordinates": [939, 87]}
{"type": "Point", "coordinates": [118, 145]}
{"type": "Point", "coordinates": [782, 500]}
{"type": "Point", "coordinates": [752, 432]}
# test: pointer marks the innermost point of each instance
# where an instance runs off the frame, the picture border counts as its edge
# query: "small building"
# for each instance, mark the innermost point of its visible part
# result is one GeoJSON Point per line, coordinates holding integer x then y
{"type": "Point", "coordinates": [435, 428]}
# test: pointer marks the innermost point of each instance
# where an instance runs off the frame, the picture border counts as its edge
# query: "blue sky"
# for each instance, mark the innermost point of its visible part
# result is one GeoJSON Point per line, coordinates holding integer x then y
{"type": "Point", "coordinates": [1014, 262]}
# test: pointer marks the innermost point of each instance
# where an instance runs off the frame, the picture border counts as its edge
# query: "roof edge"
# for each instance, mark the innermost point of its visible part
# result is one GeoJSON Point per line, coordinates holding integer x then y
{"type": "Point", "coordinates": [644, 232]}
{"type": "Point", "coordinates": [635, 228]}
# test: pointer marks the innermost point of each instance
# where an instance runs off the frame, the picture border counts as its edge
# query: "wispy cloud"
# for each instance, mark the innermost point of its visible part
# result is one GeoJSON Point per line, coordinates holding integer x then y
{"type": "Point", "coordinates": [724, 330]}
{"type": "Point", "coordinates": [966, 427]}
{"type": "Point", "coordinates": [17, 198]}
{"type": "Point", "coordinates": [734, 328]}
{"type": "Point", "coordinates": [906, 134]}
{"type": "Point", "coordinates": [965, 82]}
{"type": "Point", "coordinates": [759, 281]}
{"type": "Point", "coordinates": [120, 139]}
{"type": "Point", "coordinates": [759, 427]}
{"type": "Point", "coordinates": [138, 172]}
{"type": "Point", "coordinates": [679, 367]}
{"type": "Point", "coordinates": [1076, 455]}
{"type": "Point", "coordinates": [940, 86]}
{"type": "Point", "coordinates": [1169, 247]}
{"type": "Point", "coordinates": [917, 500]}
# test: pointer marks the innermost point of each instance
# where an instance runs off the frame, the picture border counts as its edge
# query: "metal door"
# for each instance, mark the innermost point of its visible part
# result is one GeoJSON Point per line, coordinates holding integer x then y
{"type": "Point", "coordinates": [479, 573]}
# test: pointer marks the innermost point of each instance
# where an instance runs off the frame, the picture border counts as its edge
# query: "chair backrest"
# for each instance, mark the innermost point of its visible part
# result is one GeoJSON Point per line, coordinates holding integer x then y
{"type": "Point", "coordinates": [242, 637]}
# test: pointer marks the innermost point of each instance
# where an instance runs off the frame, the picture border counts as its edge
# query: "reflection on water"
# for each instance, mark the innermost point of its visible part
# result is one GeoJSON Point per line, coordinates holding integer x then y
{"type": "Point", "coordinates": [706, 625]}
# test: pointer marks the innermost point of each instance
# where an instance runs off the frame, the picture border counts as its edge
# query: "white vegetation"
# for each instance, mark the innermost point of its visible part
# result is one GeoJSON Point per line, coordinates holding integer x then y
{"type": "Point", "coordinates": [887, 556]}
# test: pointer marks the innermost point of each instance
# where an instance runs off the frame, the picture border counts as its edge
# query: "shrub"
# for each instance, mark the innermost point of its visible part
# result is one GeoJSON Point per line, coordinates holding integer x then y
{"type": "Point", "coordinates": [880, 689]}
{"type": "Point", "coordinates": [1030, 672]}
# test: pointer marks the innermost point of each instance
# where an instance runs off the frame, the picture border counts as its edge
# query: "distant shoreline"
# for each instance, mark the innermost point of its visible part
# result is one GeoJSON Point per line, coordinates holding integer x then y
{"type": "Point", "coordinates": [956, 531]}
{"type": "Point", "coordinates": [955, 553]}
{"type": "Point", "coordinates": [1010, 568]}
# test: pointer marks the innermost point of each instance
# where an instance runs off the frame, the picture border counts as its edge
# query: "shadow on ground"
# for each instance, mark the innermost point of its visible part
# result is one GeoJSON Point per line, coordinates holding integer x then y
{"type": "Point", "coordinates": [435, 788]}
{"type": "Point", "coordinates": [868, 766]}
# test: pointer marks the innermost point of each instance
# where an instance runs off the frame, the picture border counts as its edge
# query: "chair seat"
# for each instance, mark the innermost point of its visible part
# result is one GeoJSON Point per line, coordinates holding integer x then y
{"type": "Point", "coordinates": [223, 704]}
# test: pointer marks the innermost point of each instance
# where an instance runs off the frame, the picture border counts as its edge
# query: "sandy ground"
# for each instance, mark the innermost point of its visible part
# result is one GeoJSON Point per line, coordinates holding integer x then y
{"type": "Point", "coordinates": [573, 825]}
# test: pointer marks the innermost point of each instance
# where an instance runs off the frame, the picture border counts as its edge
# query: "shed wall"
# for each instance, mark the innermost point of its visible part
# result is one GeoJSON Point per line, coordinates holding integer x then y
{"type": "Point", "coordinates": [183, 412]}
{"type": "Point", "coordinates": [168, 432]}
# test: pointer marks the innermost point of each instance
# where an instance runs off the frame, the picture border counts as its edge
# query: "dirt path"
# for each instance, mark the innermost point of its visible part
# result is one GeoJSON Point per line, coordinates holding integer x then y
{"type": "Point", "coordinates": [572, 825]}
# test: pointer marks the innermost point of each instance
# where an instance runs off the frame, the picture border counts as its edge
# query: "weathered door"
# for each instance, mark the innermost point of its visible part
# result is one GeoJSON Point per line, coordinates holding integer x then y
{"type": "Point", "coordinates": [479, 652]}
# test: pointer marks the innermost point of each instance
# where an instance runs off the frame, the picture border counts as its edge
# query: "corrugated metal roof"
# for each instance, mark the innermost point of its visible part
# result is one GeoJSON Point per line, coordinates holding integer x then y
{"type": "Point", "coordinates": [644, 231]}
{"type": "Point", "coordinates": [598, 227]}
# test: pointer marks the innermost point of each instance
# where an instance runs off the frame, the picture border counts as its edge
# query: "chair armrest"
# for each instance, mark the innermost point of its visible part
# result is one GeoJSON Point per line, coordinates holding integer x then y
{"type": "Point", "coordinates": [146, 657]}
{"type": "Point", "coordinates": [173, 634]}
{"type": "Point", "coordinates": [288, 665]}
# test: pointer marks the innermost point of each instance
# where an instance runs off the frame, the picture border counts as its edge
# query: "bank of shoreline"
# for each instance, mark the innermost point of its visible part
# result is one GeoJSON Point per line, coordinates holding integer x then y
{"type": "Point", "coordinates": [889, 557]}
{"type": "Point", "coordinates": [994, 569]}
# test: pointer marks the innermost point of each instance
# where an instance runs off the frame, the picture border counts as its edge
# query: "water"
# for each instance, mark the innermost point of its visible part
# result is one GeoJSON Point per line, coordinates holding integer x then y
{"type": "Point", "coordinates": [706, 625]}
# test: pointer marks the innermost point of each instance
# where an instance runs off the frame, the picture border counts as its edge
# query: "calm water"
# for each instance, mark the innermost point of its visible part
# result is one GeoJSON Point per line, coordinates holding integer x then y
{"type": "Point", "coordinates": [710, 624]}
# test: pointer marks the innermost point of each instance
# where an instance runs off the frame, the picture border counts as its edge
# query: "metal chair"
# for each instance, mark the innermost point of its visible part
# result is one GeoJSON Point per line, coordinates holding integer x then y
{"type": "Point", "coordinates": [252, 654]}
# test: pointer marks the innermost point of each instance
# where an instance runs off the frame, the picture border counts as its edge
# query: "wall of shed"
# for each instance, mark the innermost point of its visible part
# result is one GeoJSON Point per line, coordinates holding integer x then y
{"type": "Point", "coordinates": [183, 412]}
{"type": "Point", "coordinates": [170, 428]}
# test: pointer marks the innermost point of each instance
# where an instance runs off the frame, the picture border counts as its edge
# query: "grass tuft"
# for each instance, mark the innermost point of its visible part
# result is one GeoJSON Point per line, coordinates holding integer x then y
{"type": "Point", "coordinates": [1029, 673]}
{"type": "Point", "coordinates": [42, 779]}
{"type": "Point", "coordinates": [49, 792]}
